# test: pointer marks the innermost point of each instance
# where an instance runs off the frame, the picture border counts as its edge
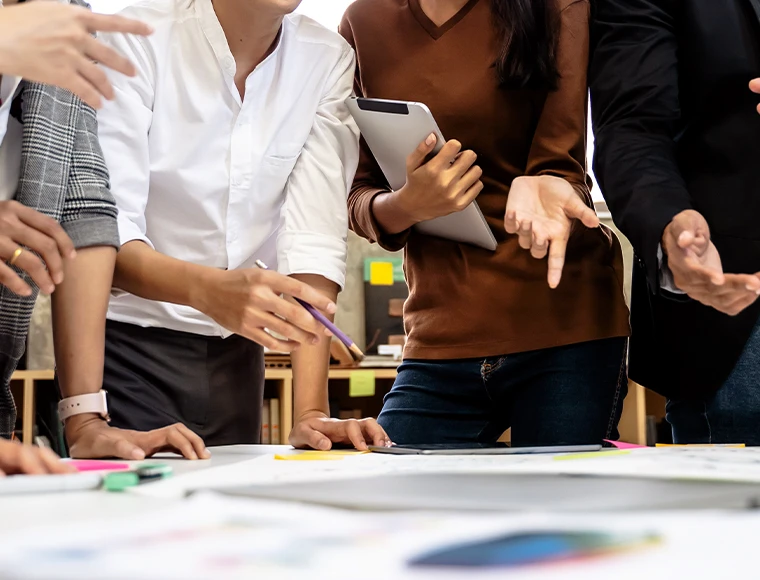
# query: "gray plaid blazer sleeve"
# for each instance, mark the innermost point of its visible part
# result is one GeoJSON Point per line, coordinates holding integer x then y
{"type": "Point", "coordinates": [63, 175]}
{"type": "Point", "coordinates": [89, 210]}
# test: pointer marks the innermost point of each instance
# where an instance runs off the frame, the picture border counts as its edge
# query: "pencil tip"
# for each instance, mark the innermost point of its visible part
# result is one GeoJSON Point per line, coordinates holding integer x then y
{"type": "Point", "coordinates": [356, 352]}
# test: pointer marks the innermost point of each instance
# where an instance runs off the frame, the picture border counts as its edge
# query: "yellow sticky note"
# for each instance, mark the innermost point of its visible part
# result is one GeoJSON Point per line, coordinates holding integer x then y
{"type": "Point", "coordinates": [361, 384]}
{"type": "Point", "coordinates": [706, 445]}
{"type": "Point", "coordinates": [381, 274]}
{"type": "Point", "coordinates": [314, 455]}
{"type": "Point", "coordinates": [592, 455]}
{"type": "Point", "coordinates": [308, 457]}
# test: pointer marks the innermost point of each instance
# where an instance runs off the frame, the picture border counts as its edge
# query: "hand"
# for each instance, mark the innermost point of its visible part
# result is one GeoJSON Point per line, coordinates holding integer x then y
{"type": "Point", "coordinates": [23, 226]}
{"type": "Point", "coordinates": [446, 184]}
{"type": "Point", "coordinates": [317, 431]}
{"type": "Point", "coordinates": [247, 302]}
{"type": "Point", "coordinates": [541, 211]}
{"type": "Point", "coordinates": [697, 269]}
{"type": "Point", "coordinates": [754, 86]}
{"type": "Point", "coordinates": [16, 459]}
{"type": "Point", "coordinates": [91, 437]}
{"type": "Point", "coordinates": [51, 43]}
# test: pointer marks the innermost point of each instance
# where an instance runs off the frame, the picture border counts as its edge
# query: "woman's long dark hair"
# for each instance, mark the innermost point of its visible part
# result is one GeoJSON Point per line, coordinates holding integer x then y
{"type": "Point", "coordinates": [527, 57]}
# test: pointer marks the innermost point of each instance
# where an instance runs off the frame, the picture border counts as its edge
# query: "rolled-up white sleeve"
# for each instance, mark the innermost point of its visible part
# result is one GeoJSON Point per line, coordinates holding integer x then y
{"type": "Point", "coordinates": [314, 219]}
{"type": "Point", "coordinates": [123, 128]}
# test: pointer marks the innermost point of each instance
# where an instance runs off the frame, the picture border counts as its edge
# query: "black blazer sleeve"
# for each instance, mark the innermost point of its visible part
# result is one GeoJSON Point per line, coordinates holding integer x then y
{"type": "Point", "coordinates": [636, 114]}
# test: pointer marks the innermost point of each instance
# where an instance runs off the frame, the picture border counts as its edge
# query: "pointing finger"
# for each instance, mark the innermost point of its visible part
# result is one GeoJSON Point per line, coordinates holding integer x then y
{"type": "Point", "coordinates": [556, 261]}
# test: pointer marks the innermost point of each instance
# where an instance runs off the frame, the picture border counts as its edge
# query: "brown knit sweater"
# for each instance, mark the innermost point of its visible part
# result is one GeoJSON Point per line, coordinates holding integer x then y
{"type": "Point", "coordinates": [467, 302]}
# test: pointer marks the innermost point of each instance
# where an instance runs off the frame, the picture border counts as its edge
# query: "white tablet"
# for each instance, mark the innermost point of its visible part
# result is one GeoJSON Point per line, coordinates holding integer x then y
{"type": "Point", "coordinates": [392, 130]}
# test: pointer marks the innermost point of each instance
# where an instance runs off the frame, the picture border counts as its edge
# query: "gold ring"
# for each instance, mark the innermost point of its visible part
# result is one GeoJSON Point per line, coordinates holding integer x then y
{"type": "Point", "coordinates": [16, 255]}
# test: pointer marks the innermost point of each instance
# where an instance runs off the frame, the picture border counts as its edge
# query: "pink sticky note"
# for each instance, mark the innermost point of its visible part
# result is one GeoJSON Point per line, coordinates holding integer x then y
{"type": "Point", "coordinates": [621, 445]}
{"type": "Point", "coordinates": [94, 465]}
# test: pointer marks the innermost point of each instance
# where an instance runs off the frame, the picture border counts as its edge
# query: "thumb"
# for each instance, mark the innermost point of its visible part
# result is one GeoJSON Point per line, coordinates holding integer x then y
{"type": "Point", "coordinates": [696, 242]}
{"type": "Point", "coordinates": [417, 157]}
{"type": "Point", "coordinates": [305, 436]}
{"type": "Point", "coordinates": [693, 225]}
{"type": "Point", "coordinates": [576, 209]}
{"type": "Point", "coordinates": [122, 448]}
{"type": "Point", "coordinates": [319, 441]}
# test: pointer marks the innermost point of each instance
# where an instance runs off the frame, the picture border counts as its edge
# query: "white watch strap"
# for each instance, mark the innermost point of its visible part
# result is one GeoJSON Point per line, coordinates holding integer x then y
{"type": "Point", "coordinates": [80, 404]}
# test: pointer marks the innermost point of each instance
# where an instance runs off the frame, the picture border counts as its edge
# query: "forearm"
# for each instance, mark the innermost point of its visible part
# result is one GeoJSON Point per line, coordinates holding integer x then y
{"type": "Point", "coordinates": [79, 308]}
{"type": "Point", "coordinates": [144, 272]}
{"type": "Point", "coordinates": [311, 362]}
{"type": "Point", "coordinates": [390, 214]}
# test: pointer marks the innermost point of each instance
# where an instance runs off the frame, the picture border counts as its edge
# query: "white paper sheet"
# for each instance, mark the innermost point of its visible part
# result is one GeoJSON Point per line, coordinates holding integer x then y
{"type": "Point", "coordinates": [212, 537]}
{"type": "Point", "coordinates": [708, 464]}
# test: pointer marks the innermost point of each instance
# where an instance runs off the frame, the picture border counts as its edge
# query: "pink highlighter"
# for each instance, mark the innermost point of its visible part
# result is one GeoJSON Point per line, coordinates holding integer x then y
{"type": "Point", "coordinates": [82, 465]}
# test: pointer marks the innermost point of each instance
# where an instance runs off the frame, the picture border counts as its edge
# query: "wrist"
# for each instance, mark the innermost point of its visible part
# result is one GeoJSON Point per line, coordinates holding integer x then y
{"type": "Point", "coordinates": [399, 200]}
{"type": "Point", "coordinates": [310, 414]}
{"type": "Point", "coordinates": [204, 290]}
{"type": "Point", "coordinates": [75, 425]}
{"type": "Point", "coordinates": [665, 238]}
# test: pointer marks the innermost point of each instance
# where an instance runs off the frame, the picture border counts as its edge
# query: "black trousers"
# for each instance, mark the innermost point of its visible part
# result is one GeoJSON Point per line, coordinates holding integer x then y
{"type": "Point", "coordinates": [156, 377]}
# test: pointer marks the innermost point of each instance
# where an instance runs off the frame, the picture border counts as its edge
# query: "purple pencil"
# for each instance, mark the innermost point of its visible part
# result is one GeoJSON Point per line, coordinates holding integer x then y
{"type": "Point", "coordinates": [339, 334]}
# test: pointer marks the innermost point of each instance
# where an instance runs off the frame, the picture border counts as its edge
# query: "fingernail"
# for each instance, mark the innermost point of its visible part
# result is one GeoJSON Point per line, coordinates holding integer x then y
{"type": "Point", "coordinates": [138, 454]}
{"type": "Point", "coordinates": [49, 289]}
{"type": "Point", "coordinates": [324, 445]}
{"type": "Point", "coordinates": [430, 139]}
{"type": "Point", "coordinates": [58, 278]}
{"type": "Point", "coordinates": [331, 308]}
{"type": "Point", "coordinates": [206, 452]}
{"type": "Point", "coordinates": [73, 254]}
{"type": "Point", "coordinates": [388, 443]}
{"type": "Point", "coordinates": [328, 332]}
{"type": "Point", "coordinates": [315, 341]}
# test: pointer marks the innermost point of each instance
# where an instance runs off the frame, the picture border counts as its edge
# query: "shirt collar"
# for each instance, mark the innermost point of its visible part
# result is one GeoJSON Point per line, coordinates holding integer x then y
{"type": "Point", "coordinates": [214, 33]}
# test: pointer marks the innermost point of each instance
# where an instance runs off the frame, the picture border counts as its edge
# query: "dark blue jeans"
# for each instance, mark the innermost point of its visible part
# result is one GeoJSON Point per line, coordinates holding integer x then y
{"type": "Point", "coordinates": [567, 395]}
{"type": "Point", "coordinates": [732, 415]}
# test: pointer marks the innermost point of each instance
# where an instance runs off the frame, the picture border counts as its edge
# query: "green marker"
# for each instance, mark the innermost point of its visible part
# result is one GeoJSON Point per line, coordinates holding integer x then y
{"type": "Point", "coordinates": [120, 480]}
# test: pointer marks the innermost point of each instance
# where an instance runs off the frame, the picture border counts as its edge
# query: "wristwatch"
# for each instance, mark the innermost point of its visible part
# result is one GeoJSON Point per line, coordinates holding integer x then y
{"type": "Point", "coordinates": [81, 404]}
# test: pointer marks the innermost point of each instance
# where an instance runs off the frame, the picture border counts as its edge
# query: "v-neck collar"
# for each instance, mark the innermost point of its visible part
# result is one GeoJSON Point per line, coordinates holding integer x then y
{"type": "Point", "coordinates": [432, 29]}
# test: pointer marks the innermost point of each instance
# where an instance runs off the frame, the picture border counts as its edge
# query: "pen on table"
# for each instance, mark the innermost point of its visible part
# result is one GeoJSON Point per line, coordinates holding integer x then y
{"type": "Point", "coordinates": [33, 484]}
{"type": "Point", "coordinates": [350, 345]}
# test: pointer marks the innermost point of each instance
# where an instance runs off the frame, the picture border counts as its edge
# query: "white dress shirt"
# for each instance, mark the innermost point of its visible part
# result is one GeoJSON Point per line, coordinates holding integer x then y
{"type": "Point", "coordinates": [208, 178]}
{"type": "Point", "coordinates": [11, 132]}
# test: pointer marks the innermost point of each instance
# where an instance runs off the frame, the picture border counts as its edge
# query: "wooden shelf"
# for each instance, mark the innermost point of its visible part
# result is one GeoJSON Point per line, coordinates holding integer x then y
{"type": "Point", "coordinates": [632, 423]}
{"type": "Point", "coordinates": [283, 378]}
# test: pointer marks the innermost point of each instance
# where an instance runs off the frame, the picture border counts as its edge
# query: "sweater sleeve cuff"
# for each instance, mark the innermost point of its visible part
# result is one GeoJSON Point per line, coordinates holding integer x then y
{"type": "Point", "coordinates": [389, 242]}
{"type": "Point", "coordinates": [95, 231]}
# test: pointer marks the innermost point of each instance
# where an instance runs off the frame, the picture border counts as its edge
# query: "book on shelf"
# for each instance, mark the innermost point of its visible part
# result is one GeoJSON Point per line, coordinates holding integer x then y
{"type": "Point", "coordinates": [270, 422]}
{"type": "Point", "coordinates": [265, 430]}
{"type": "Point", "coordinates": [274, 421]}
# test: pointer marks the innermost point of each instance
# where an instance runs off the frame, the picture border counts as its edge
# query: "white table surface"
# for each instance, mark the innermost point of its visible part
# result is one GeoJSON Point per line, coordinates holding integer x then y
{"type": "Point", "coordinates": [21, 511]}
